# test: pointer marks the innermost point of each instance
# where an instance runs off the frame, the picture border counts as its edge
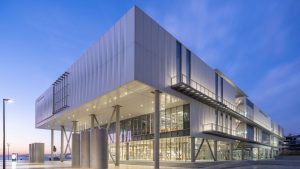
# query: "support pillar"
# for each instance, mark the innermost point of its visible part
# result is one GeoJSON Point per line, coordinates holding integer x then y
{"type": "Point", "coordinates": [156, 128]}
{"type": "Point", "coordinates": [216, 150]}
{"type": "Point", "coordinates": [100, 144]}
{"type": "Point", "coordinates": [193, 158]}
{"type": "Point", "coordinates": [258, 153]}
{"type": "Point", "coordinates": [127, 151]}
{"type": "Point", "coordinates": [117, 110]}
{"type": "Point", "coordinates": [231, 151]}
{"type": "Point", "coordinates": [62, 154]}
{"type": "Point", "coordinates": [52, 144]}
{"type": "Point", "coordinates": [91, 138]}
{"type": "Point", "coordinates": [85, 149]}
{"type": "Point", "coordinates": [75, 146]}
{"type": "Point", "coordinates": [243, 151]}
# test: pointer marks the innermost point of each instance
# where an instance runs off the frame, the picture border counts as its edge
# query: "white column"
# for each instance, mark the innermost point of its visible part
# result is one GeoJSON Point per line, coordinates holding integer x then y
{"type": "Point", "coordinates": [100, 153]}
{"type": "Point", "coordinates": [75, 146]}
{"type": "Point", "coordinates": [216, 150]}
{"type": "Point", "coordinates": [156, 128]}
{"type": "Point", "coordinates": [91, 138]}
{"type": "Point", "coordinates": [231, 151]}
{"type": "Point", "coordinates": [75, 150]}
{"type": "Point", "coordinates": [85, 149]}
{"type": "Point", "coordinates": [193, 150]}
{"type": "Point", "coordinates": [117, 109]}
{"type": "Point", "coordinates": [62, 155]}
{"type": "Point", "coordinates": [52, 144]}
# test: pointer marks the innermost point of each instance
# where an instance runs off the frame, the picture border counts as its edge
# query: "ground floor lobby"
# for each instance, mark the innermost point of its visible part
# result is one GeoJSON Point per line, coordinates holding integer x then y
{"type": "Point", "coordinates": [180, 149]}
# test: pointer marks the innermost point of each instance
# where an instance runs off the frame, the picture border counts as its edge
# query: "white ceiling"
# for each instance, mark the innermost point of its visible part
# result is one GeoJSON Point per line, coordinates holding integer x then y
{"type": "Point", "coordinates": [135, 98]}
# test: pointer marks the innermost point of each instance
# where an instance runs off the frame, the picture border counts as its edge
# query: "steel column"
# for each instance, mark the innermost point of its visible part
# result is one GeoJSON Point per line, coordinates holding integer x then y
{"type": "Point", "coordinates": [75, 146]}
{"type": "Point", "coordinates": [100, 153]}
{"type": "Point", "coordinates": [127, 151]}
{"type": "Point", "coordinates": [62, 143]}
{"type": "Point", "coordinates": [91, 138]}
{"type": "Point", "coordinates": [193, 157]}
{"type": "Point", "coordinates": [243, 151]}
{"type": "Point", "coordinates": [156, 128]}
{"type": "Point", "coordinates": [75, 150]}
{"type": "Point", "coordinates": [117, 110]}
{"type": "Point", "coordinates": [52, 144]}
{"type": "Point", "coordinates": [231, 152]}
{"type": "Point", "coordinates": [85, 149]}
{"type": "Point", "coordinates": [216, 150]}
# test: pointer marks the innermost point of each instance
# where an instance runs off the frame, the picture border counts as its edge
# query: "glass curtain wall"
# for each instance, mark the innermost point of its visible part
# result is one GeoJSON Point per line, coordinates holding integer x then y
{"type": "Point", "coordinates": [137, 136]}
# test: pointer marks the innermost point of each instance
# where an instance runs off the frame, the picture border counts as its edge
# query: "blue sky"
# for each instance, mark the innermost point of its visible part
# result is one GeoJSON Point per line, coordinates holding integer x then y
{"type": "Point", "coordinates": [255, 43]}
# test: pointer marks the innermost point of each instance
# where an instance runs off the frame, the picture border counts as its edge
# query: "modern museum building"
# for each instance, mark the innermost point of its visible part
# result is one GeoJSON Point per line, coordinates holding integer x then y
{"type": "Point", "coordinates": [156, 99]}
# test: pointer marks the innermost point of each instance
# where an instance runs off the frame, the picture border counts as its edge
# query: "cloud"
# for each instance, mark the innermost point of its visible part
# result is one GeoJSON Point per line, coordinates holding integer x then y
{"type": "Point", "coordinates": [278, 81]}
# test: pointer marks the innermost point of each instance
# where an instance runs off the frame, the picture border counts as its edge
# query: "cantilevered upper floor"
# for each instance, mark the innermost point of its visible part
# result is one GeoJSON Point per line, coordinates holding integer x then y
{"type": "Point", "coordinates": [135, 57]}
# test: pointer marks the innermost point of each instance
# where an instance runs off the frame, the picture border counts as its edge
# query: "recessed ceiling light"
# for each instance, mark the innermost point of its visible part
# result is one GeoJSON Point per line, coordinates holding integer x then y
{"type": "Point", "coordinates": [87, 109]}
{"type": "Point", "coordinates": [125, 93]}
{"type": "Point", "coordinates": [94, 106]}
{"type": "Point", "coordinates": [141, 105]}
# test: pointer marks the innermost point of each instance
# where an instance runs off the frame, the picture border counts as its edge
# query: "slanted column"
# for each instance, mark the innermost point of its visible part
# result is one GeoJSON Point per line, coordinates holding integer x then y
{"type": "Point", "coordinates": [75, 146]}
{"type": "Point", "coordinates": [193, 158]}
{"type": "Point", "coordinates": [62, 154]}
{"type": "Point", "coordinates": [216, 150]}
{"type": "Point", "coordinates": [52, 144]}
{"type": "Point", "coordinates": [156, 128]}
{"type": "Point", "coordinates": [117, 110]}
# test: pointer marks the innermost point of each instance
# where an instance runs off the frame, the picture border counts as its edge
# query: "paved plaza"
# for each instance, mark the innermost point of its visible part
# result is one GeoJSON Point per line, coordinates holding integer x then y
{"type": "Point", "coordinates": [264, 164]}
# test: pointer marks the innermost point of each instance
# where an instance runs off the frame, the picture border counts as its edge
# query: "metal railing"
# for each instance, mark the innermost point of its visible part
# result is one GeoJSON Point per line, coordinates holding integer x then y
{"type": "Point", "coordinates": [197, 86]}
{"type": "Point", "coordinates": [222, 129]}
{"type": "Point", "coordinates": [177, 80]}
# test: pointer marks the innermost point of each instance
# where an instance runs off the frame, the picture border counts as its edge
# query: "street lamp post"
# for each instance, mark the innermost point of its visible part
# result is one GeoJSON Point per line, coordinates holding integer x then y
{"type": "Point", "coordinates": [3, 155]}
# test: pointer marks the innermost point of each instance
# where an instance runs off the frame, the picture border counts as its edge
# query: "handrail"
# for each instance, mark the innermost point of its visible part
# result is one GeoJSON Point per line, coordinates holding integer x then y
{"type": "Point", "coordinates": [207, 92]}
{"type": "Point", "coordinates": [226, 130]}
{"type": "Point", "coordinates": [197, 86]}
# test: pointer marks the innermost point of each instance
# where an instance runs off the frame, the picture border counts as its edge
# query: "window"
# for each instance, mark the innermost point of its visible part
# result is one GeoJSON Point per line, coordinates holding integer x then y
{"type": "Point", "coordinates": [178, 61]}
{"type": "Point", "coordinates": [188, 66]}
{"type": "Point", "coordinates": [216, 85]}
{"type": "Point", "coordinates": [186, 116]}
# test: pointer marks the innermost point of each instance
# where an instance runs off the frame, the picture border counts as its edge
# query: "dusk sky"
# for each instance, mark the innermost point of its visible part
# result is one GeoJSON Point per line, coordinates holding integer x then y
{"type": "Point", "coordinates": [255, 43]}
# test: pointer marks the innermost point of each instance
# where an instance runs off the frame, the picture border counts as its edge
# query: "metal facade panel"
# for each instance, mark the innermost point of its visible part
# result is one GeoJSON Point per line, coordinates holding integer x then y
{"type": "Point", "coordinates": [137, 48]}
{"type": "Point", "coordinates": [105, 66]}
{"type": "Point", "coordinates": [44, 105]}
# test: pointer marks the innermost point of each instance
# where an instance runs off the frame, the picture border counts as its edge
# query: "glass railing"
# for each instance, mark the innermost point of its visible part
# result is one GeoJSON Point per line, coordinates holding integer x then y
{"type": "Point", "coordinates": [222, 129]}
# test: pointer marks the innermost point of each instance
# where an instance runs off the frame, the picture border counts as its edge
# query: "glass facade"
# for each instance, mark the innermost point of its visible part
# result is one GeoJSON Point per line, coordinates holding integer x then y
{"type": "Point", "coordinates": [137, 136]}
